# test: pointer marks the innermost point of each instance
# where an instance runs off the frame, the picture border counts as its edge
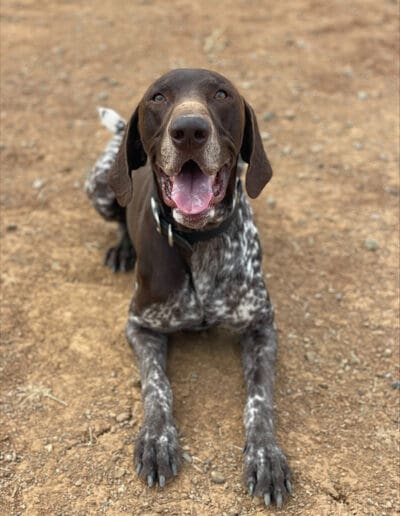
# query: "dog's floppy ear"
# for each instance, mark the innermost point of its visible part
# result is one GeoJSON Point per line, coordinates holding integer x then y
{"type": "Point", "coordinates": [130, 156]}
{"type": "Point", "coordinates": [259, 171]}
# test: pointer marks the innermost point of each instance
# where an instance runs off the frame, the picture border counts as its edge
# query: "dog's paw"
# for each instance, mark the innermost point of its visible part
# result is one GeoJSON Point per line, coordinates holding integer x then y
{"type": "Point", "coordinates": [157, 453]}
{"type": "Point", "coordinates": [120, 258]}
{"type": "Point", "coordinates": [266, 471]}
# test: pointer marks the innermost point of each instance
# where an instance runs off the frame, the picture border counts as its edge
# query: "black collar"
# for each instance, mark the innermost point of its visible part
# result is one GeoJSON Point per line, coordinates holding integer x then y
{"type": "Point", "coordinates": [185, 239]}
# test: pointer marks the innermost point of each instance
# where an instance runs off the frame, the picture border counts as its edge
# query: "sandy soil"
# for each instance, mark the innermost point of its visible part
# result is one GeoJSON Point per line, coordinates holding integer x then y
{"type": "Point", "coordinates": [322, 77]}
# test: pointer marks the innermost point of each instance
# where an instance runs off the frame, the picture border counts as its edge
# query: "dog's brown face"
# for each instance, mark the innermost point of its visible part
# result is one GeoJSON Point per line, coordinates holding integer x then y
{"type": "Point", "coordinates": [192, 124]}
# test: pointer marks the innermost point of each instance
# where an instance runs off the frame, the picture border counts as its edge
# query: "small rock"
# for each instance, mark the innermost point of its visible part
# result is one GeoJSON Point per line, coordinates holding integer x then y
{"type": "Point", "coordinates": [375, 216]}
{"type": "Point", "coordinates": [362, 95]}
{"type": "Point", "coordinates": [78, 483]}
{"type": "Point", "coordinates": [268, 116]}
{"type": "Point", "coordinates": [396, 385]}
{"type": "Point", "coordinates": [11, 228]}
{"type": "Point", "coordinates": [265, 135]}
{"type": "Point", "coordinates": [311, 356]}
{"type": "Point", "coordinates": [388, 376]}
{"type": "Point", "coordinates": [388, 352]}
{"type": "Point", "coordinates": [48, 448]}
{"type": "Point", "coordinates": [354, 358]}
{"type": "Point", "coordinates": [339, 296]}
{"type": "Point", "coordinates": [124, 416]}
{"type": "Point", "coordinates": [217, 477]}
{"type": "Point", "coordinates": [290, 115]}
{"type": "Point", "coordinates": [287, 150]}
{"type": "Point", "coordinates": [371, 244]}
{"type": "Point", "coordinates": [383, 156]}
{"type": "Point", "coordinates": [77, 185]}
{"type": "Point", "coordinates": [317, 147]}
{"type": "Point", "coordinates": [38, 184]}
{"type": "Point", "coordinates": [186, 457]}
{"type": "Point", "coordinates": [358, 145]}
{"type": "Point", "coordinates": [348, 72]}
{"type": "Point", "coordinates": [119, 473]}
{"type": "Point", "coordinates": [271, 201]}
{"type": "Point", "coordinates": [102, 96]}
{"type": "Point", "coordinates": [392, 190]}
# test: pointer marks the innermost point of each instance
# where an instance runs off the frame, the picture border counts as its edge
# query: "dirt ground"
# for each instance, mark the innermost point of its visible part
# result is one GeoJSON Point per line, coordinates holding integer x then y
{"type": "Point", "coordinates": [322, 77]}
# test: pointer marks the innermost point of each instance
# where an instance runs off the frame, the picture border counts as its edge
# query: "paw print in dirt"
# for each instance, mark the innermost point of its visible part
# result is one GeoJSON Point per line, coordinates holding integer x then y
{"type": "Point", "coordinates": [157, 453]}
{"type": "Point", "coordinates": [266, 471]}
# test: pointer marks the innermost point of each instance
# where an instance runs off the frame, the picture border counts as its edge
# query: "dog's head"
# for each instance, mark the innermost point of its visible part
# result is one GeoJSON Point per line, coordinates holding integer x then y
{"type": "Point", "coordinates": [192, 124]}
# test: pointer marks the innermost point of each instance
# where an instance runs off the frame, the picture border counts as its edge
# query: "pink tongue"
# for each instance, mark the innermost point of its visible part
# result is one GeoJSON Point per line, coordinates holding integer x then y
{"type": "Point", "coordinates": [192, 190]}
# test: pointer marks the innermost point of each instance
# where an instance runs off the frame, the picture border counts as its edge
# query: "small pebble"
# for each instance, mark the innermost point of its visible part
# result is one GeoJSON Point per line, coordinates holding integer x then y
{"type": "Point", "coordinates": [348, 72]}
{"type": "Point", "coordinates": [371, 244]}
{"type": "Point", "coordinates": [269, 115]}
{"type": "Point", "coordinates": [48, 448]}
{"type": "Point", "coordinates": [317, 147]}
{"type": "Point", "coordinates": [124, 416]}
{"type": "Point", "coordinates": [217, 477]}
{"type": "Point", "coordinates": [375, 216]}
{"type": "Point", "coordinates": [102, 96]}
{"type": "Point", "coordinates": [396, 385]}
{"type": "Point", "coordinates": [339, 296]}
{"type": "Point", "coordinates": [290, 115]}
{"type": "Point", "coordinates": [358, 145]}
{"type": "Point", "coordinates": [11, 228]}
{"type": "Point", "coordinates": [271, 201]}
{"type": "Point", "coordinates": [38, 184]}
{"type": "Point", "coordinates": [265, 135]}
{"type": "Point", "coordinates": [287, 150]}
{"type": "Point", "coordinates": [362, 95]}
{"type": "Point", "coordinates": [388, 352]}
{"type": "Point", "coordinates": [311, 356]}
{"type": "Point", "coordinates": [119, 473]}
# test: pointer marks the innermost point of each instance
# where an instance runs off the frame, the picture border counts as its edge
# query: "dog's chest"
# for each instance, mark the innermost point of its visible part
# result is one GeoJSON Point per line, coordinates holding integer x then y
{"type": "Point", "coordinates": [224, 286]}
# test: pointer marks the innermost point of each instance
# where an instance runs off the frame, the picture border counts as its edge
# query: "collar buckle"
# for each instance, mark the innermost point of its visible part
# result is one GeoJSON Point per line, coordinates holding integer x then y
{"type": "Point", "coordinates": [170, 236]}
{"type": "Point", "coordinates": [156, 216]}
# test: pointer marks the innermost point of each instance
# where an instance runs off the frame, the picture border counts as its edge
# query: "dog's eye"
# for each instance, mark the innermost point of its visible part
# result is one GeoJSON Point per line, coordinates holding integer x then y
{"type": "Point", "coordinates": [158, 97]}
{"type": "Point", "coordinates": [221, 94]}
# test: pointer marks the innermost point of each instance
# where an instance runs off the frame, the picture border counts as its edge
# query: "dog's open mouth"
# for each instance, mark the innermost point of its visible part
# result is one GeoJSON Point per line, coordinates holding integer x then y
{"type": "Point", "coordinates": [192, 191]}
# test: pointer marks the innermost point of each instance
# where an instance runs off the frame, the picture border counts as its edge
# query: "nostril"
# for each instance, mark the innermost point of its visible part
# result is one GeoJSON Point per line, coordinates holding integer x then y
{"type": "Point", "coordinates": [178, 134]}
{"type": "Point", "coordinates": [200, 135]}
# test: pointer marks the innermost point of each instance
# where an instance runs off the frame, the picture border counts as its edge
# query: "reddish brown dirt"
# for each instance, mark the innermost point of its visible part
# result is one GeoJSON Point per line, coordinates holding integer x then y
{"type": "Point", "coordinates": [328, 70]}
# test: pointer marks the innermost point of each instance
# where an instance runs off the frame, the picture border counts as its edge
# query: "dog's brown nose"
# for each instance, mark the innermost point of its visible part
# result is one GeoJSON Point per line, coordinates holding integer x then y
{"type": "Point", "coordinates": [189, 131]}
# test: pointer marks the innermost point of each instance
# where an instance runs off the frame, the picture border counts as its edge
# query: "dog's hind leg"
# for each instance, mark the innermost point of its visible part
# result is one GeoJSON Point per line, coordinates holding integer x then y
{"type": "Point", "coordinates": [122, 256]}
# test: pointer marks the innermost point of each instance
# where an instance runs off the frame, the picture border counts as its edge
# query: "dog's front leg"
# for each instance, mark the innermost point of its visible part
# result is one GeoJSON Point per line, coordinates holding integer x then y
{"type": "Point", "coordinates": [157, 454]}
{"type": "Point", "coordinates": [266, 472]}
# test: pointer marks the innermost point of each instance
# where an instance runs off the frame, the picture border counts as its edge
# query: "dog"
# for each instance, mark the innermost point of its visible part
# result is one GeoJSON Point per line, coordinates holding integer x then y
{"type": "Point", "coordinates": [171, 178]}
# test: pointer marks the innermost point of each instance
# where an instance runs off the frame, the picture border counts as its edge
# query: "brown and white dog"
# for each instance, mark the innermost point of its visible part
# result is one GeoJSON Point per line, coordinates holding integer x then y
{"type": "Point", "coordinates": [171, 178]}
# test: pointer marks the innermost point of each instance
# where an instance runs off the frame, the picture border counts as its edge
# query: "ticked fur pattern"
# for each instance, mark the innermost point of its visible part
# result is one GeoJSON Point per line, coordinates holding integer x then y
{"type": "Point", "coordinates": [225, 286]}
